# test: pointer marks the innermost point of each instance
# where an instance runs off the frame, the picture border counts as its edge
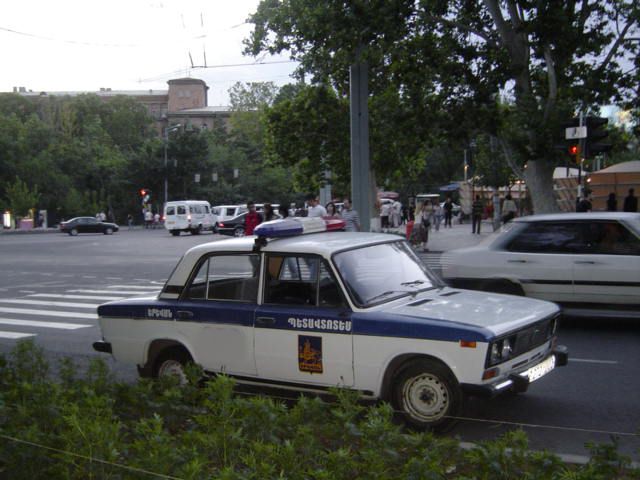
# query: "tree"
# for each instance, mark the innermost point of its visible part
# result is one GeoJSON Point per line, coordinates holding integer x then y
{"type": "Point", "coordinates": [449, 61]}
{"type": "Point", "coordinates": [21, 198]}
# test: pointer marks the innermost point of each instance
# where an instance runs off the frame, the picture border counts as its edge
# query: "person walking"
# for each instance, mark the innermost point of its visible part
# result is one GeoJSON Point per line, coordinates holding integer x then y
{"type": "Point", "coordinates": [448, 212]}
{"type": "Point", "coordinates": [268, 213]}
{"type": "Point", "coordinates": [438, 214]}
{"type": "Point", "coordinates": [421, 226]}
{"type": "Point", "coordinates": [350, 216]}
{"type": "Point", "coordinates": [509, 209]}
{"type": "Point", "coordinates": [332, 211]}
{"type": "Point", "coordinates": [630, 202]}
{"type": "Point", "coordinates": [584, 205]}
{"type": "Point", "coordinates": [612, 203]}
{"type": "Point", "coordinates": [315, 209]}
{"type": "Point", "coordinates": [252, 219]}
{"type": "Point", "coordinates": [477, 209]}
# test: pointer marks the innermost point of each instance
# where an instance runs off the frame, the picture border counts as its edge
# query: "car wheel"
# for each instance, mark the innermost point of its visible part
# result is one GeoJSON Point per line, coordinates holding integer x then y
{"type": "Point", "coordinates": [108, 231]}
{"type": "Point", "coordinates": [427, 394]}
{"type": "Point", "coordinates": [172, 363]}
{"type": "Point", "coordinates": [215, 228]}
{"type": "Point", "coordinates": [175, 233]}
{"type": "Point", "coordinates": [197, 231]}
{"type": "Point", "coordinates": [73, 232]}
{"type": "Point", "coordinates": [238, 232]}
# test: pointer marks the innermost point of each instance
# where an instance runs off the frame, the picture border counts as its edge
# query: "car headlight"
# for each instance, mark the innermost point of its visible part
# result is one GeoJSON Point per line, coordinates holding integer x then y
{"type": "Point", "coordinates": [501, 350]}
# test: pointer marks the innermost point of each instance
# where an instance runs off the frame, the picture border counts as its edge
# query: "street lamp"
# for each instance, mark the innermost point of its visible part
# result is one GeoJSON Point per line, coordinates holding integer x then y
{"type": "Point", "coordinates": [166, 144]}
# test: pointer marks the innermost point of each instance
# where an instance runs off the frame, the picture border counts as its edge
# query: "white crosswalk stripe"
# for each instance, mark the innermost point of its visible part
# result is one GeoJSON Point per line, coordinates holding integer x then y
{"type": "Point", "coordinates": [55, 310]}
{"type": "Point", "coordinates": [20, 301]}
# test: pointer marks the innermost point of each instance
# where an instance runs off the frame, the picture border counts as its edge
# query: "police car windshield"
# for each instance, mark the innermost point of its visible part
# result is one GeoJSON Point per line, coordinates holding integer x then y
{"type": "Point", "coordinates": [384, 272]}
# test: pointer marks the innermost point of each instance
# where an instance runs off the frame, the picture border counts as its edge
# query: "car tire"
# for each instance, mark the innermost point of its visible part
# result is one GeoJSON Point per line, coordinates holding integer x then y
{"type": "Point", "coordinates": [197, 230]}
{"type": "Point", "coordinates": [73, 232]}
{"type": "Point", "coordinates": [238, 232]}
{"type": "Point", "coordinates": [175, 233]}
{"type": "Point", "coordinates": [108, 231]}
{"type": "Point", "coordinates": [427, 395]}
{"type": "Point", "coordinates": [214, 229]}
{"type": "Point", "coordinates": [172, 362]}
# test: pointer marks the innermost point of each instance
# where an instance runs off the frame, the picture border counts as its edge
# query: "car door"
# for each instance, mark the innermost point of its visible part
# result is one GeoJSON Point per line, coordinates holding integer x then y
{"type": "Point", "coordinates": [303, 325]}
{"type": "Point", "coordinates": [540, 257]}
{"type": "Point", "coordinates": [607, 268]}
{"type": "Point", "coordinates": [217, 312]}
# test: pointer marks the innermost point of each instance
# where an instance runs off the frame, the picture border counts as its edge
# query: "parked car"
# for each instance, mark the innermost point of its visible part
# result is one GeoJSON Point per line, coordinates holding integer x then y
{"type": "Point", "coordinates": [310, 311]}
{"type": "Point", "coordinates": [227, 212]}
{"type": "Point", "coordinates": [233, 226]}
{"type": "Point", "coordinates": [587, 262]}
{"type": "Point", "coordinates": [87, 225]}
{"type": "Point", "coordinates": [193, 216]}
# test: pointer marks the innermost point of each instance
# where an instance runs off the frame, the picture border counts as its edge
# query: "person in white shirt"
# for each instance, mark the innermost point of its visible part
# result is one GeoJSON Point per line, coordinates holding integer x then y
{"type": "Point", "coordinates": [315, 209]}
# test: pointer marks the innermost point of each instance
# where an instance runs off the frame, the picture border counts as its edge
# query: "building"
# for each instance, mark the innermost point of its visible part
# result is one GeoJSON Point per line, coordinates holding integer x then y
{"type": "Point", "coordinates": [184, 102]}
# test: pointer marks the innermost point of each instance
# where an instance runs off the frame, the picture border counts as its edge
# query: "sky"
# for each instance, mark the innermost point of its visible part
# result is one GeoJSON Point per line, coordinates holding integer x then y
{"type": "Point", "coordinates": [86, 45]}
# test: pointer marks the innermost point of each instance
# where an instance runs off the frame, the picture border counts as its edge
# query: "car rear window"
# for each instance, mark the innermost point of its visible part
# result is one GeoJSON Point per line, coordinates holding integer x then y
{"type": "Point", "coordinates": [171, 210]}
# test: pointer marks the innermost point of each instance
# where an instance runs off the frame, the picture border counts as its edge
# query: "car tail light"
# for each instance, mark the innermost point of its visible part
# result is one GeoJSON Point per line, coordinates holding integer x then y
{"type": "Point", "coordinates": [221, 225]}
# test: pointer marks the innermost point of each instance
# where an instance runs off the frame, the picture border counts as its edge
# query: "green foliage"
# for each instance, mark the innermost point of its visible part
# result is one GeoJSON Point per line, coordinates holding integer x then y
{"type": "Point", "coordinates": [85, 424]}
{"type": "Point", "coordinates": [20, 197]}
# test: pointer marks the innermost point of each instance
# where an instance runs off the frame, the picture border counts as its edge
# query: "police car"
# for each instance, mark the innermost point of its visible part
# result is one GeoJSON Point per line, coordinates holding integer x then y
{"type": "Point", "coordinates": [305, 308]}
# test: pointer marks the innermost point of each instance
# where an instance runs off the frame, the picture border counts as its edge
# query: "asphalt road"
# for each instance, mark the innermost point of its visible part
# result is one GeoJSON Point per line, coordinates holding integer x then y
{"type": "Point", "coordinates": [56, 281]}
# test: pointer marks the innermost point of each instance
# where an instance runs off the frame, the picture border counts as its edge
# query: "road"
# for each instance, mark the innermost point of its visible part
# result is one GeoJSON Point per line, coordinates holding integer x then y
{"type": "Point", "coordinates": [51, 284]}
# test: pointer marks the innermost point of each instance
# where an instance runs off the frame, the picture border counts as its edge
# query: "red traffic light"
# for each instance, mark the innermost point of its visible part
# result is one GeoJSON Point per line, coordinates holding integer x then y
{"type": "Point", "coordinates": [143, 192]}
{"type": "Point", "coordinates": [574, 150]}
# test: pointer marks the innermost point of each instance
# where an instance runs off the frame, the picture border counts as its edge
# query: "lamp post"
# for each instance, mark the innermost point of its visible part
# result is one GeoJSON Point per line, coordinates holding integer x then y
{"type": "Point", "coordinates": [166, 144]}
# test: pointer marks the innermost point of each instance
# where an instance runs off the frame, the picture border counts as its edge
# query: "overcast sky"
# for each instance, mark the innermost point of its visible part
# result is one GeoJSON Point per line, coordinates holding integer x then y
{"type": "Point", "coordinates": [85, 45]}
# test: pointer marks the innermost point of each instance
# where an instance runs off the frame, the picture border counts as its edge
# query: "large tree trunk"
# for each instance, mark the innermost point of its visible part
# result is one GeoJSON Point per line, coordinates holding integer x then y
{"type": "Point", "coordinates": [539, 179]}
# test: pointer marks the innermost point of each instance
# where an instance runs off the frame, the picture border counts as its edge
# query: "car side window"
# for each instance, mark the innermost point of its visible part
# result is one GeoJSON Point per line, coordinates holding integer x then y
{"type": "Point", "coordinates": [182, 210]}
{"type": "Point", "coordinates": [226, 277]}
{"type": "Point", "coordinates": [171, 210]}
{"type": "Point", "coordinates": [300, 280]}
{"type": "Point", "coordinates": [613, 238]}
{"type": "Point", "coordinates": [549, 237]}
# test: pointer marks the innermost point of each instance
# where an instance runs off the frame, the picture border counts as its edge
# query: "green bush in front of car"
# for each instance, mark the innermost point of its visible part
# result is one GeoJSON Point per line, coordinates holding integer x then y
{"type": "Point", "coordinates": [79, 426]}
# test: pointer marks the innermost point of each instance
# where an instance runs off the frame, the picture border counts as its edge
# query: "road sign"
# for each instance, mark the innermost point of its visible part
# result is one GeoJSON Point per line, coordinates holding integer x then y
{"type": "Point", "coordinates": [573, 133]}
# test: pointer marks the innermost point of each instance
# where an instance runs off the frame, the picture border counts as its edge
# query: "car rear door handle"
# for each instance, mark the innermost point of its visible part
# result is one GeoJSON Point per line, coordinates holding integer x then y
{"type": "Point", "coordinates": [265, 320]}
{"type": "Point", "coordinates": [184, 314]}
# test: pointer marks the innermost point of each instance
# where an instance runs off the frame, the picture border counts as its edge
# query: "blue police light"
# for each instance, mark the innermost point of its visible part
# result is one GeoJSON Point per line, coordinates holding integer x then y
{"type": "Point", "coordinates": [288, 227]}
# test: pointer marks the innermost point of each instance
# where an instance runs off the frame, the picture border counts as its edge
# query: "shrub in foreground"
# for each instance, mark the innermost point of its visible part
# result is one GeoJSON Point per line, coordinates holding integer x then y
{"type": "Point", "coordinates": [81, 426]}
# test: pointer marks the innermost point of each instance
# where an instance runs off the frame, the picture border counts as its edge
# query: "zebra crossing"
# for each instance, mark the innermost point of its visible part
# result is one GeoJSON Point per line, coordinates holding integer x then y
{"type": "Point", "coordinates": [36, 313]}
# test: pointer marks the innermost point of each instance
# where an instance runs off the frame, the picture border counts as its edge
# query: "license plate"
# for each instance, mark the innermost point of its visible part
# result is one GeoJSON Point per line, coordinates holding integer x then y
{"type": "Point", "coordinates": [540, 370]}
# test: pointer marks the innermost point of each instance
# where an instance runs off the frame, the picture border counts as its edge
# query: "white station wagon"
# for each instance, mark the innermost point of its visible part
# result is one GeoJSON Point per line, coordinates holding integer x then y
{"type": "Point", "coordinates": [310, 311]}
{"type": "Point", "coordinates": [587, 262]}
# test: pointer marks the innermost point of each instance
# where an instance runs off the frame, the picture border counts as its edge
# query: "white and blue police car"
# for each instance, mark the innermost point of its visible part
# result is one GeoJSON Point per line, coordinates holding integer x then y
{"type": "Point", "coordinates": [301, 307]}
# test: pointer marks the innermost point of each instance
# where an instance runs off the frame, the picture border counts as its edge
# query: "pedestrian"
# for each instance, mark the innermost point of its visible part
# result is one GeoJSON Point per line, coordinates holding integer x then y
{"type": "Point", "coordinates": [396, 213]}
{"type": "Point", "coordinates": [332, 211]}
{"type": "Point", "coordinates": [252, 219]}
{"type": "Point", "coordinates": [283, 211]}
{"type": "Point", "coordinates": [268, 213]}
{"type": "Point", "coordinates": [350, 216]}
{"type": "Point", "coordinates": [314, 208]}
{"type": "Point", "coordinates": [156, 220]}
{"type": "Point", "coordinates": [438, 214]}
{"type": "Point", "coordinates": [385, 211]}
{"type": "Point", "coordinates": [130, 221]}
{"type": "Point", "coordinates": [630, 202]}
{"type": "Point", "coordinates": [584, 205]}
{"type": "Point", "coordinates": [448, 212]}
{"type": "Point", "coordinates": [509, 209]}
{"type": "Point", "coordinates": [612, 203]}
{"type": "Point", "coordinates": [477, 209]}
{"type": "Point", "coordinates": [148, 218]}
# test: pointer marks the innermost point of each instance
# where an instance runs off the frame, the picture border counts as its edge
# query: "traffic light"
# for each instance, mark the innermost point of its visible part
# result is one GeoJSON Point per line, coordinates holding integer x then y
{"type": "Point", "coordinates": [145, 193]}
{"type": "Point", "coordinates": [595, 132]}
{"type": "Point", "coordinates": [574, 153]}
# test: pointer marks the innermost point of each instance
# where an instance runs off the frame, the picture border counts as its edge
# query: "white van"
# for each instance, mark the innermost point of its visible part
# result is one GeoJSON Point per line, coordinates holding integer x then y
{"type": "Point", "coordinates": [192, 216]}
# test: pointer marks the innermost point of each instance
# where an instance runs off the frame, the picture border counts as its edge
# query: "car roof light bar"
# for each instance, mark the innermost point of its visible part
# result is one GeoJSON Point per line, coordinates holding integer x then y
{"type": "Point", "coordinates": [289, 227]}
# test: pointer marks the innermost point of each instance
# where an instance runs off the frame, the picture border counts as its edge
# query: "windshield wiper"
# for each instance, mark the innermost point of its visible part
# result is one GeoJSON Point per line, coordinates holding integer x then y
{"type": "Point", "coordinates": [384, 294]}
{"type": "Point", "coordinates": [415, 282]}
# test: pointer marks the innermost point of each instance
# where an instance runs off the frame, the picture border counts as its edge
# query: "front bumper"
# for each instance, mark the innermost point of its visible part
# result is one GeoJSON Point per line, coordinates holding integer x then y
{"type": "Point", "coordinates": [519, 382]}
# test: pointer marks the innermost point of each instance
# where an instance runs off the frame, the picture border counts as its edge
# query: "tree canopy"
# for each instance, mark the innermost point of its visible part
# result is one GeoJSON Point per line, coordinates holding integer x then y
{"type": "Point", "coordinates": [453, 70]}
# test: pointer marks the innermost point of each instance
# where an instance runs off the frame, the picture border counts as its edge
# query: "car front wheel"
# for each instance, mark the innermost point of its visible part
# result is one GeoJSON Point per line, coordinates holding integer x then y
{"type": "Point", "coordinates": [172, 364]}
{"type": "Point", "coordinates": [108, 231]}
{"type": "Point", "coordinates": [427, 395]}
{"type": "Point", "coordinates": [238, 232]}
{"type": "Point", "coordinates": [73, 232]}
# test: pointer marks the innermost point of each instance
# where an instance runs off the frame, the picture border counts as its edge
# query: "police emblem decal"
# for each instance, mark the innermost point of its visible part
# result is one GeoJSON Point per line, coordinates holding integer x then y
{"type": "Point", "coordinates": [309, 354]}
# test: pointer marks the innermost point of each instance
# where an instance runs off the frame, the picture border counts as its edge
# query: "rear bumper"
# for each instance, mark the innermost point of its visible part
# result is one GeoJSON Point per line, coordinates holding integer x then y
{"type": "Point", "coordinates": [519, 382]}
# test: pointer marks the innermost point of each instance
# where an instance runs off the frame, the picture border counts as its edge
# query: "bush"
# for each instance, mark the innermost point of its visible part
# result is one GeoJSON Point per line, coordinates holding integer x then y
{"type": "Point", "coordinates": [91, 426]}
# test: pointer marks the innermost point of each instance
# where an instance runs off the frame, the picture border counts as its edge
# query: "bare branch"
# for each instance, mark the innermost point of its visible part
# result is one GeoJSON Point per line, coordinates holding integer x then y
{"type": "Point", "coordinates": [616, 45]}
{"type": "Point", "coordinates": [508, 155]}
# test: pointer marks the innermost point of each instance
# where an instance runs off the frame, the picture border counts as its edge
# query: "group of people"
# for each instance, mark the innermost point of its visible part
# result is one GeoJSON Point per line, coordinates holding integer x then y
{"type": "Point", "coordinates": [427, 215]}
{"type": "Point", "coordinates": [314, 209]}
{"type": "Point", "coordinates": [630, 202]}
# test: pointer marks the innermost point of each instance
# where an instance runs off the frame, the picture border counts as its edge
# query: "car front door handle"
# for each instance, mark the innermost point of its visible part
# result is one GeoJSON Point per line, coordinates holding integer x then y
{"type": "Point", "coordinates": [184, 314]}
{"type": "Point", "coordinates": [265, 321]}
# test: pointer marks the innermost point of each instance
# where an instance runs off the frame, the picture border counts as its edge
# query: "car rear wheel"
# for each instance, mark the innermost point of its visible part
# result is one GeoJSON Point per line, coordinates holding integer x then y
{"type": "Point", "coordinates": [173, 363]}
{"type": "Point", "coordinates": [427, 394]}
{"type": "Point", "coordinates": [175, 233]}
{"type": "Point", "coordinates": [73, 232]}
{"type": "Point", "coordinates": [238, 232]}
{"type": "Point", "coordinates": [108, 231]}
{"type": "Point", "coordinates": [197, 230]}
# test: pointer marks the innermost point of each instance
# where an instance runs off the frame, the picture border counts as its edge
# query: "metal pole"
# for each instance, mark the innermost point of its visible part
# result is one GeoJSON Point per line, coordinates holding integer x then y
{"type": "Point", "coordinates": [166, 181]}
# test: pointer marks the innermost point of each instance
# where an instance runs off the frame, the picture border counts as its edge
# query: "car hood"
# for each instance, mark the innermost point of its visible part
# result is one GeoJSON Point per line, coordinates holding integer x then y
{"type": "Point", "coordinates": [488, 311]}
